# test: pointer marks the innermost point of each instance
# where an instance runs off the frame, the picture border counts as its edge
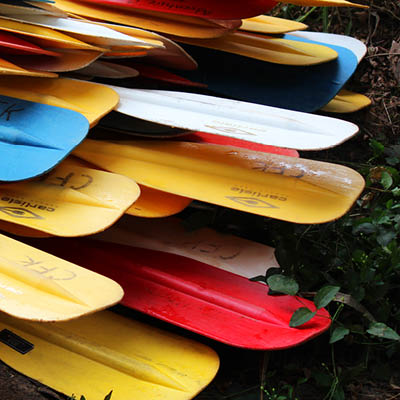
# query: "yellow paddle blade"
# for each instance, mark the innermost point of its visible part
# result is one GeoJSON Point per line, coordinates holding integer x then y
{"type": "Point", "coordinates": [279, 51]}
{"type": "Point", "coordinates": [271, 25]}
{"type": "Point", "coordinates": [57, 39]}
{"type": "Point", "coordinates": [324, 3]}
{"type": "Point", "coordinates": [90, 99]}
{"type": "Point", "coordinates": [69, 201]}
{"type": "Point", "coordinates": [286, 188]}
{"type": "Point", "coordinates": [154, 203]}
{"type": "Point", "coordinates": [102, 352]}
{"type": "Point", "coordinates": [347, 102]}
{"type": "Point", "coordinates": [38, 286]}
{"type": "Point", "coordinates": [179, 25]}
{"type": "Point", "coordinates": [7, 68]}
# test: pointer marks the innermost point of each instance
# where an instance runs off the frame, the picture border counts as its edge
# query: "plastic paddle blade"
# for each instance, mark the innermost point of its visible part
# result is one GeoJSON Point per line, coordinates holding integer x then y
{"type": "Point", "coordinates": [325, 3]}
{"type": "Point", "coordinates": [153, 203]}
{"type": "Point", "coordinates": [38, 286]}
{"type": "Point", "coordinates": [286, 188]}
{"type": "Point", "coordinates": [271, 25]}
{"type": "Point", "coordinates": [198, 8]}
{"type": "Point", "coordinates": [202, 137]}
{"type": "Point", "coordinates": [221, 305]}
{"type": "Point", "coordinates": [263, 48]}
{"type": "Point", "coordinates": [103, 352]}
{"type": "Point", "coordinates": [347, 102]}
{"type": "Point", "coordinates": [105, 69]}
{"type": "Point", "coordinates": [20, 230]}
{"type": "Point", "coordinates": [240, 120]}
{"type": "Point", "coordinates": [70, 201]}
{"type": "Point", "coordinates": [179, 25]}
{"type": "Point", "coordinates": [230, 253]}
{"type": "Point", "coordinates": [271, 84]}
{"type": "Point", "coordinates": [36, 137]}
{"type": "Point", "coordinates": [7, 68]}
{"type": "Point", "coordinates": [90, 99]}
{"type": "Point", "coordinates": [12, 44]}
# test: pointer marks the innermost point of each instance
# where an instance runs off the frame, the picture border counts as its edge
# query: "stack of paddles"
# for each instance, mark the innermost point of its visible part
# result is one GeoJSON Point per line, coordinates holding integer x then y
{"type": "Point", "coordinates": [183, 100]}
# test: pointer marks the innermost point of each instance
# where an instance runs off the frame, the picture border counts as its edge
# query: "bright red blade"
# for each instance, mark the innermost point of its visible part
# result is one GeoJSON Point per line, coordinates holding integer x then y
{"type": "Point", "coordinates": [218, 9]}
{"type": "Point", "coordinates": [204, 299]}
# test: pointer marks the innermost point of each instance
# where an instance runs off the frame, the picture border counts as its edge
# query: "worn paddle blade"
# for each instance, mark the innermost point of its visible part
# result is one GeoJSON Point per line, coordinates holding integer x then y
{"type": "Point", "coordinates": [286, 188]}
{"type": "Point", "coordinates": [38, 286]}
{"type": "Point", "coordinates": [240, 120]}
{"type": "Point", "coordinates": [103, 352]}
{"type": "Point", "coordinates": [222, 9]}
{"type": "Point", "coordinates": [36, 137]}
{"type": "Point", "coordinates": [90, 99]}
{"type": "Point", "coordinates": [105, 69]}
{"type": "Point", "coordinates": [347, 102]}
{"type": "Point", "coordinates": [270, 25]}
{"type": "Point", "coordinates": [70, 201]}
{"type": "Point", "coordinates": [221, 305]}
{"type": "Point", "coordinates": [7, 68]}
{"type": "Point", "coordinates": [273, 50]}
{"type": "Point", "coordinates": [325, 3]}
{"type": "Point", "coordinates": [178, 25]}
{"type": "Point", "coordinates": [293, 88]}
{"type": "Point", "coordinates": [230, 253]}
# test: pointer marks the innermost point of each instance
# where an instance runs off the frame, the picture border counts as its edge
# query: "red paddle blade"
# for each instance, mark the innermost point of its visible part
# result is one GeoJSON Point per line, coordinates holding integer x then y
{"type": "Point", "coordinates": [203, 137]}
{"type": "Point", "coordinates": [218, 9]}
{"type": "Point", "coordinates": [12, 44]}
{"type": "Point", "coordinates": [204, 299]}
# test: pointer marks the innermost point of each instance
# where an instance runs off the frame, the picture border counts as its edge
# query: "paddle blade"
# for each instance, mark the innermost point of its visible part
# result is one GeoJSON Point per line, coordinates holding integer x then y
{"type": "Point", "coordinates": [325, 3]}
{"type": "Point", "coordinates": [271, 25]}
{"type": "Point", "coordinates": [221, 305]}
{"type": "Point", "coordinates": [38, 286]}
{"type": "Point", "coordinates": [103, 352]}
{"type": "Point", "coordinates": [287, 188]}
{"type": "Point", "coordinates": [35, 137]}
{"type": "Point", "coordinates": [90, 99]}
{"type": "Point", "coordinates": [347, 102]}
{"type": "Point", "coordinates": [70, 201]}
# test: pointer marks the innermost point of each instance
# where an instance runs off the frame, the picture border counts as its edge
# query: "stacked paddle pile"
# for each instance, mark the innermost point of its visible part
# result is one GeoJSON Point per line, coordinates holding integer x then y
{"type": "Point", "coordinates": [183, 101]}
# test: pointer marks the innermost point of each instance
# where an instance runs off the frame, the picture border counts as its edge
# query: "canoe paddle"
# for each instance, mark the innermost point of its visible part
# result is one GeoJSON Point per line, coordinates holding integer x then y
{"type": "Point", "coordinates": [38, 286]}
{"type": "Point", "coordinates": [241, 120]}
{"type": "Point", "coordinates": [106, 352]}
{"type": "Point", "coordinates": [90, 99]}
{"type": "Point", "coordinates": [270, 25]}
{"type": "Point", "coordinates": [69, 201]}
{"type": "Point", "coordinates": [179, 25]}
{"type": "Point", "coordinates": [220, 305]}
{"type": "Point", "coordinates": [36, 137]}
{"type": "Point", "coordinates": [286, 188]}
{"type": "Point", "coordinates": [347, 102]}
{"type": "Point", "coordinates": [7, 68]}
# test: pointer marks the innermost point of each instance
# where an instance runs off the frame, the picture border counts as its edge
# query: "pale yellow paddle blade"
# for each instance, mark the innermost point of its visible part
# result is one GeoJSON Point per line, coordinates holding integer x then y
{"type": "Point", "coordinates": [7, 68]}
{"type": "Point", "coordinates": [274, 50]}
{"type": "Point", "coordinates": [69, 201]}
{"type": "Point", "coordinates": [40, 287]}
{"type": "Point", "coordinates": [271, 25]}
{"type": "Point", "coordinates": [90, 99]}
{"type": "Point", "coordinates": [57, 39]}
{"type": "Point", "coordinates": [179, 25]}
{"type": "Point", "coordinates": [154, 203]}
{"type": "Point", "coordinates": [347, 102]}
{"type": "Point", "coordinates": [286, 188]}
{"type": "Point", "coordinates": [324, 3]}
{"type": "Point", "coordinates": [102, 352]}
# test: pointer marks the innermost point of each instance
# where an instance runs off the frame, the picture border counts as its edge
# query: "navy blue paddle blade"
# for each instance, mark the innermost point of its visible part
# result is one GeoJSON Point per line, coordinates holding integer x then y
{"type": "Point", "coordinates": [305, 89]}
{"type": "Point", "coordinates": [35, 137]}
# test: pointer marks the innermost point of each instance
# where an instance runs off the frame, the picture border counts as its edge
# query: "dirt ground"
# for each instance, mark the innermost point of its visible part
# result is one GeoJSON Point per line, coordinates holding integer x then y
{"type": "Point", "coordinates": [378, 77]}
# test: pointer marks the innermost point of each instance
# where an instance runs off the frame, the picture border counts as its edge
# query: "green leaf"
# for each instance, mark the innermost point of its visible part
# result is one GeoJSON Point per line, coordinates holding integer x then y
{"type": "Point", "coordinates": [301, 316]}
{"type": "Point", "coordinates": [396, 191]}
{"type": "Point", "coordinates": [385, 237]}
{"type": "Point", "coordinates": [325, 295]}
{"type": "Point", "coordinates": [386, 180]}
{"type": "Point", "coordinates": [377, 147]}
{"type": "Point", "coordinates": [83, 398]}
{"type": "Point", "coordinates": [365, 227]}
{"type": "Point", "coordinates": [283, 284]}
{"type": "Point", "coordinates": [108, 397]}
{"type": "Point", "coordinates": [382, 330]}
{"type": "Point", "coordinates": [338, 334]}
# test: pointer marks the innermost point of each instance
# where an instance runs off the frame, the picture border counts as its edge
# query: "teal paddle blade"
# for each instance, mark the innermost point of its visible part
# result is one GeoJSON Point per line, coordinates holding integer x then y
{"type": "Point", "coordinates": [35, 137]}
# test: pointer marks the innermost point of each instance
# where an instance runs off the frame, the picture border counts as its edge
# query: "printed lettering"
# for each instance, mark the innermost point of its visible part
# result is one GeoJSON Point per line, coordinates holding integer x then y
{"type": "Point", "coordinates": [53, 273]}
{"type": "Point", "coordinates": [64, 181]}
{"type": "Point", "coordinates": [9, 110]}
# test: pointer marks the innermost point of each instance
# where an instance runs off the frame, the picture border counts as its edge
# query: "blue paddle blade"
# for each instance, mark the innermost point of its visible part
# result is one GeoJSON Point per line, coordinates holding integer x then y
{"type": "Point", "coordinates": [35, 137]}
{"type": "Point", "coordinates": [305, 89]}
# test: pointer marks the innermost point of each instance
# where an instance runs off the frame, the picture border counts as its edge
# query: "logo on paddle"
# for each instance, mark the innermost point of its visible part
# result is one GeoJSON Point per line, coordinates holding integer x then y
{"type": "Point", "coordinates": [19, 212]}
{"type": "Point", "coordinates": [251, 202]}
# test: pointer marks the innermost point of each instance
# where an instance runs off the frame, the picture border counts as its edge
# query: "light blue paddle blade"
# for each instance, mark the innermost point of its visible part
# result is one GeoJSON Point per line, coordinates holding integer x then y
{"type": "Point", "coordinates": [35, 137]}
{"type": "Point", "coordinates": [305, 88]}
